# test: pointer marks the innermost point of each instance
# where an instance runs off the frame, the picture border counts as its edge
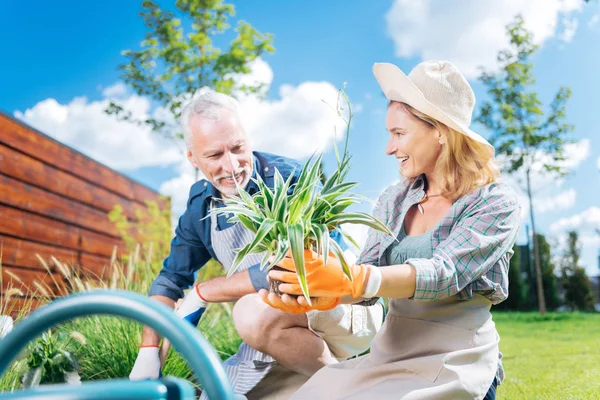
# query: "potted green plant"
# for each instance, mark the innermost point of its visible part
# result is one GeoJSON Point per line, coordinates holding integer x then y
{"type": "Point", "coordinates": [304, 219]}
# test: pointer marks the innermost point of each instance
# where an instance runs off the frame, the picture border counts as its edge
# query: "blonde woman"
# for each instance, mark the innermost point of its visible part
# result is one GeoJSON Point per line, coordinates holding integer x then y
{"type": "Point", "coordinates": [454, 228]}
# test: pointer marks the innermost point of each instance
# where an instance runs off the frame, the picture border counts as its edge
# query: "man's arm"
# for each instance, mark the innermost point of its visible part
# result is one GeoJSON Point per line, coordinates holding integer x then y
{"type": "Point", "coordinates": [223, 289]}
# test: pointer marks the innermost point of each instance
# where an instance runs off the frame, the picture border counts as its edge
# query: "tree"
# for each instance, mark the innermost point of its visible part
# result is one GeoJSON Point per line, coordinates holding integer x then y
{"type": "Point", "coordinates": [578, 290]}
{"type": "Point", "coordinates": [523, 135]}
{"type": "Point", "coordinates": [172, 65]}
{"type": "Point", "coordinates": [516, 287]}
{"type": "Point", "coordinates": [549, 279]}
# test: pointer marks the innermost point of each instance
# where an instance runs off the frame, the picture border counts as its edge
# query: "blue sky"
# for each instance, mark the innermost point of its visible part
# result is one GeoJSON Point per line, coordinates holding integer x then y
{"type": "Point", "coordinates": [59, 67]}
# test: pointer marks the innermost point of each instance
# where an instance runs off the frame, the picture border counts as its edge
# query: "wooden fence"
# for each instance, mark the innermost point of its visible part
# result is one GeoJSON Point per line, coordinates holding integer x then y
{"type": "Point", "coordinates": [54, 201]}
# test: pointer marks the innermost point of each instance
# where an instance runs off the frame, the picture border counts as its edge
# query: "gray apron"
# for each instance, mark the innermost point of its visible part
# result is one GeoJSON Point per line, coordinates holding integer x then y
{"type": "Point", "coordinates": [445, 349]}
{"type": "Point", "coordinates": [248, 366]}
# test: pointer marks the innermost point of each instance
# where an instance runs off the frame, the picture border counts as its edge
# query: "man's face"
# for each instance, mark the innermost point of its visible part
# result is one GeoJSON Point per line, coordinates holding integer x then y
{"type": "Point", "coordinates": [220, 149]}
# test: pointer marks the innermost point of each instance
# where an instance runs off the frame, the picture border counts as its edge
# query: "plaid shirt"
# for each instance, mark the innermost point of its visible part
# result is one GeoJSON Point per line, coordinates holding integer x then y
{"type": "Point", "coordinates": [471, 245]}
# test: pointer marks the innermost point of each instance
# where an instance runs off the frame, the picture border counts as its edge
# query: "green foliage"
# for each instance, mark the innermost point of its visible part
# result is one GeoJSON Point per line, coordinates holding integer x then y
{"type": "Point", "coordinates": [51, 357]}
{"type": "Point", "coordinates": [575, 281]}
{"type": "Point", "coordinates": [174, 62]}
{"type": "Point", "coordinates": [151, 231]}
{"type": "Point", "coordinates": [301, 220]}
{"type": "Point", "coordinates": [522, 133]}
{"type": "Point", "coordinates": [549, 280]}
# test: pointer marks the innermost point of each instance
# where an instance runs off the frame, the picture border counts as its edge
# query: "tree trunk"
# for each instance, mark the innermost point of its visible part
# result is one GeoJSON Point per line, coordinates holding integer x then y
{"type": "Point", "coordinates": [536, 252]}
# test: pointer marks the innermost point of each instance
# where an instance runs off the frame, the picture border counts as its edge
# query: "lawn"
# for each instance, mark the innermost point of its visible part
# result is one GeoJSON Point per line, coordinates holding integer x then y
{"type": "Point", "coordinates": [551, 357]}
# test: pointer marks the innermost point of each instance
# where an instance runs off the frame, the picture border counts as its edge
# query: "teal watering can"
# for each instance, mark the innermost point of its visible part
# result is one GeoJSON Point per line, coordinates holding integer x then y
{"type": "Point", "coordinates": [202, 358]}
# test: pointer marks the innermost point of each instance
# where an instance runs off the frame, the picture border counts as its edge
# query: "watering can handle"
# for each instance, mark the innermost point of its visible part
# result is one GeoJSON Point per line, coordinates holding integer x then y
{"type": "Point", "coordinates": [200, 355]}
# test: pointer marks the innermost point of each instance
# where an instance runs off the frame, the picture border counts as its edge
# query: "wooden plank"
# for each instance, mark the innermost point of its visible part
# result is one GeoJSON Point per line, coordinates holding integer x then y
{"type": "Point", "coordinates": [30, 170]}
{"type": "Point", "coordinates": [34, 227]}
{"type": "Point", "coordinates": [26, 278]}
{"type": "Point", "coordinates": [20, 195]}
{"type": "Point", "coordinates": [21, 253]}
{"type": "Point", "coordinates": [17, 135]}
{"type": "Point", "coordinates": [18, 305]}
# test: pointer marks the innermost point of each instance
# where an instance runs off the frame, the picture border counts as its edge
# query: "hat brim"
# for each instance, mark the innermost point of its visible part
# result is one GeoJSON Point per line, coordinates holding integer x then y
{"type": "Point", "coordinates": [398, 87]}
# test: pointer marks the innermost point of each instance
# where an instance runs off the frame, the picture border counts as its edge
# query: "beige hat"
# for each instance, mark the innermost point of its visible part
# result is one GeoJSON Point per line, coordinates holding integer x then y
{"type": "Point", "coordinates": [435, 88]}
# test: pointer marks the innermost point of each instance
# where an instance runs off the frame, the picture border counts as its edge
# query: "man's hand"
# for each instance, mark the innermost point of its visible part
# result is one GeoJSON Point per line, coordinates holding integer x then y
{"type": "Point", "coordinates": [147, 364]}
{"type": "Point", "coordinates": [193, 306]}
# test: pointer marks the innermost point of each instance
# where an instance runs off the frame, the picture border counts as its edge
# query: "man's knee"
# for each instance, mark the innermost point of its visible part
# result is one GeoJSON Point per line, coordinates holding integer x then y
{"type": "Point", "coordinates": [259, 324]}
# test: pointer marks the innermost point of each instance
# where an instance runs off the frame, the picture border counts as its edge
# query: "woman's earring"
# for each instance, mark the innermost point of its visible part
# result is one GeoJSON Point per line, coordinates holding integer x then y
{"type": "Point", "coordinates": [442, 139]}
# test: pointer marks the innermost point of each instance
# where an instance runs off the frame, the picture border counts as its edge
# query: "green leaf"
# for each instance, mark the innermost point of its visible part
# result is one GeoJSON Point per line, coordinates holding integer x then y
{"type": "Point", "coordinates": [348, 238]}
{"type": "Point", "coordinates": [339, 253]}
{"type": "Point", "coordinates": [262, 232]}
{"type": "Point", "coordinates": [322, 238]}
{"type": "Point", "coordinates": [282, 250]}
{"type": "Point", "coordinates": [296, 237]}
{"type": "Point", "coordinates": [359, 218]}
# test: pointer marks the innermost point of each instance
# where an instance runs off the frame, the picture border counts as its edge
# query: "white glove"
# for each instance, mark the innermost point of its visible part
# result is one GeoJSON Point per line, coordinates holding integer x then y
{"type": "Point", "coordinates": [192, 307]}
{"type": "Point", "coordinates": [147, 364]}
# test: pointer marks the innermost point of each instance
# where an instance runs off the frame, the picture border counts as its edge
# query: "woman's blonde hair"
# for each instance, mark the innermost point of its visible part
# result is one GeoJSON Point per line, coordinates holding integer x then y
{"type": "Point", "coordinates": [464, 164]}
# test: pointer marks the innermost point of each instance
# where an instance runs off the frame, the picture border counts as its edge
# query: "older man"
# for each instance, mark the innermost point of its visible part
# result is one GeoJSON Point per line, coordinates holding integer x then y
{"type": "Point", "coordinates": [218, 145]}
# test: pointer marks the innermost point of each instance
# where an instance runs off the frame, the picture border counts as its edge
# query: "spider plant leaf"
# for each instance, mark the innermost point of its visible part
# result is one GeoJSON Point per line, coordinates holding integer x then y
{"type": "Point", "coordinates": [296, 237]}
{"type": "Point", "coordinates": [338, 190]}
{"type": "Point", "coordinates": [252, 246]}
{"type": "Point", "coordinates": [359, 218]}
{"type": "Point", "coordinates": [339, 253]}
{"type": "Point", "coordinates": [322, 240]}
{"type": "Point", "coordinates": [348, 237]}
{"type": "Point", "coordinates": [282, 250]}
{"type": "Point", "coordinates": [248, 222]}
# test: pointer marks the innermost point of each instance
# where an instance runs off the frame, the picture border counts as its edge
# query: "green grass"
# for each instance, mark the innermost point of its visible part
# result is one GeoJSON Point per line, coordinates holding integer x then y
{"type": "Point", "coordinates": [551, 357]}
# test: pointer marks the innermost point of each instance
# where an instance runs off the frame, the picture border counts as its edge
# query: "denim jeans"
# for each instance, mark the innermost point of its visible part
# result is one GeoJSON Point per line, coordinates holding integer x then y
{"type": "Point", "coordinates": [491, 394]}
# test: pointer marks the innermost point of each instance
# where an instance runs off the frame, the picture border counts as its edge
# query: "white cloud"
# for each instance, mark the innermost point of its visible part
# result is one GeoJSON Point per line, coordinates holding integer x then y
{"type": "Point", "coordinates": [260, 74]}
{"type": "Point", "coordinates": [83, 125]}
{"type": "Point", "coordinates": [568, 33]}
{"type": "Point", "coordinates": [586, 221]}
{"type": "Point", "coordinates": [118, 90]}
{"type": "Point", "coordinates": [590, 240]}
{"type": "Point", "coordinates": [470, 33]}
{"type": "Point", "coordinates": [561, 201]}
{"type": "Point", "coordinates": [179, 188]}
{"type": "Point", "coordinates": [300, 122]}
{"type": "Point", "coordinates": [575, 154]}
{"type": "Point", "coordinates": [594, 20]}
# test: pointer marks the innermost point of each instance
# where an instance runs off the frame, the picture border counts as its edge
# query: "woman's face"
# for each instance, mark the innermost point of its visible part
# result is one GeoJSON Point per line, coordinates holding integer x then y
{"type": "Point", "coordinates": [413, 142]}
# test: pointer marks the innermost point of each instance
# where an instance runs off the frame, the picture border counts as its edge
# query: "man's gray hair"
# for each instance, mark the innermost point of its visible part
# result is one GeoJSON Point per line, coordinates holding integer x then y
{"type": "Point", "coordinates": [207, 105]}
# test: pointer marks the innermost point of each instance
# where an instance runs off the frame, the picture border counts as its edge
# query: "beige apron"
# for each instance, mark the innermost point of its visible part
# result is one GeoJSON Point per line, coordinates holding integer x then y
{"type": "Point", "coordinates": [445, 349]}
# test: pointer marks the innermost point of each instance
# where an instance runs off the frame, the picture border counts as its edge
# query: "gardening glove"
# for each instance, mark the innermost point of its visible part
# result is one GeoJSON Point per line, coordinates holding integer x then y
{"type": "Point", "coordinates": [323, 280]}
{"type": "Point", "coordinates": [287, 303]}
{"type": "Point", "coordinates": [192, 307]}
{"type": "Point", "coordinates": [147, 364]}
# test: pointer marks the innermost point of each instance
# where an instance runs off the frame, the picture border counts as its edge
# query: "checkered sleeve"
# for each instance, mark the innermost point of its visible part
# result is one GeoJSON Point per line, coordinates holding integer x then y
{"type": "Point", "coordinates": [475, 254]}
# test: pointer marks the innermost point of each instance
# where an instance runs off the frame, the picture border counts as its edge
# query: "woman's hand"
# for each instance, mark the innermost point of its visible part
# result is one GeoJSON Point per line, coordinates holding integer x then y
{"type": "Point", "coordinates": [323, 280]}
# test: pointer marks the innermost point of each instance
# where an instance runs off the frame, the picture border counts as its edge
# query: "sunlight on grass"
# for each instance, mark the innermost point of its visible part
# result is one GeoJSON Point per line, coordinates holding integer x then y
{"type": "Point", "coordinates": [551, 357]}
